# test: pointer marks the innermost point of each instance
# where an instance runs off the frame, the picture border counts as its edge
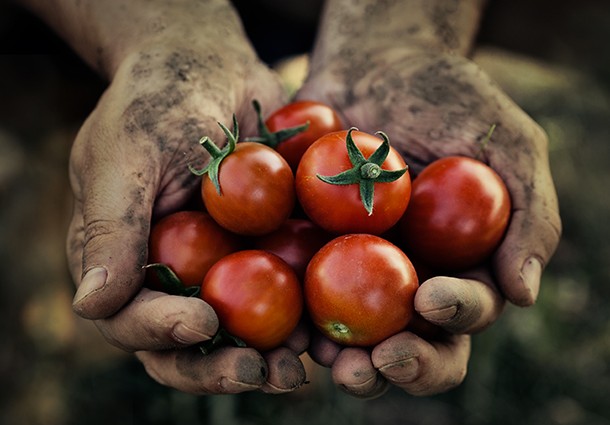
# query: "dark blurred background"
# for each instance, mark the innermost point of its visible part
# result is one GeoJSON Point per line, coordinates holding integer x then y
{"type": "Point", "coordinates": [548, 364]}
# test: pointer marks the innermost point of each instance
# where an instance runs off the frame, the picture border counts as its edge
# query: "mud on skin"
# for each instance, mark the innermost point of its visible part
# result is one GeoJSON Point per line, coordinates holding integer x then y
{"type": "Point", "coordinates": [286, 372]}
{"type": "Point", "coordinates": [242, 368]}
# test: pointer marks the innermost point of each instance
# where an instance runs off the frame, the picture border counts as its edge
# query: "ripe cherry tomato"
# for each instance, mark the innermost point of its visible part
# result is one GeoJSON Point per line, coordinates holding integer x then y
{"type": "Point", "coordinates": [359, 290]}
{"type": "Point", "coordinates": [249, 187]}
{"type": "Point", "coordinates": [342, 208]}
{"type": "Point", "coordinates": [295, 242]}
{"type": "Point", "coordinates": [318, 117]}
{"type": "Point", "coordinates": [257, 297]}
{"type": "Point", "coordinates": [189, 243]}
{"type": "Point", "coordinates": [458, 214]}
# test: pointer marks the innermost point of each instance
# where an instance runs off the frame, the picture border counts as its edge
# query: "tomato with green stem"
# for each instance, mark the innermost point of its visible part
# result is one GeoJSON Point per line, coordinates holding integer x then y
{"type": "Point", "coordinates": [247, 187]}
{"type": "Point", "coordinates": [292, 128]}
{"type": "Point", "coordinates": [353, 182]}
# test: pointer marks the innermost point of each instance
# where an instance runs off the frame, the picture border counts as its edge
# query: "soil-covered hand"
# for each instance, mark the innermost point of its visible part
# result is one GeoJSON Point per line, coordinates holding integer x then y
{"type": "Point", "coordinates": [129, 165]}
{"type": "Point", "coordinates": [434, 104]}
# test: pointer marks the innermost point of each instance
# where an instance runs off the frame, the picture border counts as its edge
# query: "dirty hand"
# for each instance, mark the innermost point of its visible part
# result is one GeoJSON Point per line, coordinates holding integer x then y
{"type": "Point", "coordinates": [178, 72]}
{"type": "Point", "coordinates": [433, 102]}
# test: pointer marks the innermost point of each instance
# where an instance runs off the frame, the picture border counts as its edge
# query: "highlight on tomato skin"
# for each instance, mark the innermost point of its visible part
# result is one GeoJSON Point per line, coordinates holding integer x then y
{"type": "Point", "coordinates": [189, 243]}
{"type": "Point", "coordinates": [458, 214]}
{"type": "Point", "coordinates": [360, 289]}
{"type": "Point", "coordinates": [256, 296]}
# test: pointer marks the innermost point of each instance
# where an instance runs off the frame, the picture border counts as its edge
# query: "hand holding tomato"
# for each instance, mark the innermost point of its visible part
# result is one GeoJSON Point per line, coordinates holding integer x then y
{"type": "Point", "coordinates": [432, 102]}
{"type": "Point", "coordinates": [129, 168]}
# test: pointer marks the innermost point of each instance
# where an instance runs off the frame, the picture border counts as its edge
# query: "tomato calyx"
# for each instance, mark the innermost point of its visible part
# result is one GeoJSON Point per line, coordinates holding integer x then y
{"type": "Point", "coordinates": [271, 138]}
{"type": "Point", "coordinates": [222, 338]}
{"type": "Point", "coordinates": [218, 155]}
{"type": "Point", "coordinates": [366, 172]}
{"type": "Point", "coordinates": [170, 282]}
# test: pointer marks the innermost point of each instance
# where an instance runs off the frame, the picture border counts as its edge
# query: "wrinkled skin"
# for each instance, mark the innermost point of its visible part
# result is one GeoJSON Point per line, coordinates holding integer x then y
{"type": "Point", "coordinates": [433, 104]}
{"type": "Point", "coordinates": [175, 71]}
{"type": "Point", "coordinates": [128, 165]}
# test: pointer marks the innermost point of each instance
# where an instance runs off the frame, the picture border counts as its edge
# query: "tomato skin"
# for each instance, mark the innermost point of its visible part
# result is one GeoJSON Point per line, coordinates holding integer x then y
{"type": "Point", "coordinates": [295, 242]}
{"type": "Point", "coordinates": [322, 119]}
{"type": "Point", "coordinates": [257, 297]}
{"type": "Point", "coordinates": [359, 290]}
{"type": "Point", "coordinates": [338, 208]}
{"type": "Point", "coordinates": [458, 214]}
{"type": "Point", "coordinates": [257, 190]}
{"type": "Point", "coordinates": [189, 242]}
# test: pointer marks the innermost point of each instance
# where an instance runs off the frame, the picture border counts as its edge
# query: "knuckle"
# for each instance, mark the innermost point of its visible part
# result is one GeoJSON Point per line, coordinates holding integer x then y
{"type": "Point", "coordinates": [95, 232]}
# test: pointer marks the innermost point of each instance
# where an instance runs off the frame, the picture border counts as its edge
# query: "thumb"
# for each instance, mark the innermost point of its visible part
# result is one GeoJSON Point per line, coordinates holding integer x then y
{"type": "Point", "coordinates": [534, 230]}
{"type": "Point", "coordinates": [108, 235]}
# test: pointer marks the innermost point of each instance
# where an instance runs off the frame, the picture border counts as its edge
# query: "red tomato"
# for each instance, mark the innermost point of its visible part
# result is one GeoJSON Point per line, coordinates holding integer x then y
{"type": "Point", "coordinates": [257, 297]}
{"type": "Point", "coordinates": [322, 119]}
{"type": "Point", "coordinates": [295, 242]}
{"type": "Point", "coordinates": [458, 214]}
{"type": "Point", "coordinates": [359, 290]}
{"type": "Point", "coordinates": [339, 208]}
{"type": "Point", "coordinates": [257, 190]}
{"type": "Point", "coordinates": [189, 243]}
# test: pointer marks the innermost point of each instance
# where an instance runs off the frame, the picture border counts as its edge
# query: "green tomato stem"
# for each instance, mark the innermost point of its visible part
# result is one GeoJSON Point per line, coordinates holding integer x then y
{"type": "Point", "coordinates": [365, 172]}
{"type": "Point", "coordinates": [269, 138]}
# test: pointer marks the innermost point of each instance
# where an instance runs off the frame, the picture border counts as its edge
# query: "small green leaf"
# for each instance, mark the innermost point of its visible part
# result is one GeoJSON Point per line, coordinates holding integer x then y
{"type": "Point", "coordinates": [221, 339]}
{"type": "Point", "coordinates": [344, 178]}
{"type": "Point", "coordinates": [355, 155]}
{"type": "Point", "coordinates": [212, 169]}
{"type": "Point", "coordinates": [382, 151]}
{"type": "Point", "coordinates": [170, 282]}
{"type": "Point", "coordinates": [269, 138]}
{"type": "Point", "coordinates": [389, 176]}
{"type": "Point", "coordinates": [367, 193]}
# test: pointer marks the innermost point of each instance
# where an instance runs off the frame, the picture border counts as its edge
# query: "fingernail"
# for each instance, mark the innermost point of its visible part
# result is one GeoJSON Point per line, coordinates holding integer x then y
{"type": "Point", "coordinates": [403, 371]}
{"type": "Point", "coordinates": [530, 276]}
{"type": "Point", "coordinates": [93, 281]}
{"type": "Point", "coordinates": [186, 335]}
{"type": "Point", "coordinates": [440, 315]}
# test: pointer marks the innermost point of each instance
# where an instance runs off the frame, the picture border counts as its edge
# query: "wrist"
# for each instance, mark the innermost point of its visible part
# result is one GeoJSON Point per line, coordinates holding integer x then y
{"type": "Point", "coordinates": [442, 26]}
{"type": "Point", "coordinates": [105, 33]}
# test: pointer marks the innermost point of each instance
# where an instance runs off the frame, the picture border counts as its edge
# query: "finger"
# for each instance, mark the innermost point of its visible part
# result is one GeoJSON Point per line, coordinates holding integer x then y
{"type": "Point", "coordinates": [354, 372]}
{"type": "Point", "coordinates": [458, 305]}
{"type": "Point", "coordinates": [420, 367]}
{"type": "Point", "coordinates": [110, 225]}
{"type": "Point", "coordinates": [535, 226]}
{"type": "Point", "coordinates": [286, 372]}
{"type": "Point", "coordinates": [322, 350]}
{"type": "Point", "coordinates": [228, 370]}
{"type": "Point", "coordinates": [163, 322]}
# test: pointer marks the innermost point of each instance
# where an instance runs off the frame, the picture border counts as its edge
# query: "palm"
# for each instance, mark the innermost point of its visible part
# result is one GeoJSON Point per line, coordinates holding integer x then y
{"type": "Point", "coordinates": [434, 105]}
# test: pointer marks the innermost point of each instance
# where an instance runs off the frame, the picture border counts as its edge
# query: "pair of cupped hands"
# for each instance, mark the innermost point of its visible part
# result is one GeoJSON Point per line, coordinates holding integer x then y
{"type": "Point", "coordinates": [129, 165]}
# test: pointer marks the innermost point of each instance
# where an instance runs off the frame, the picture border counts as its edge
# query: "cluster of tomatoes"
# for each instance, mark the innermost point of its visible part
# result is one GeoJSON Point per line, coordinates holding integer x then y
{"type": "Point", "coordinates": [310, 219]}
